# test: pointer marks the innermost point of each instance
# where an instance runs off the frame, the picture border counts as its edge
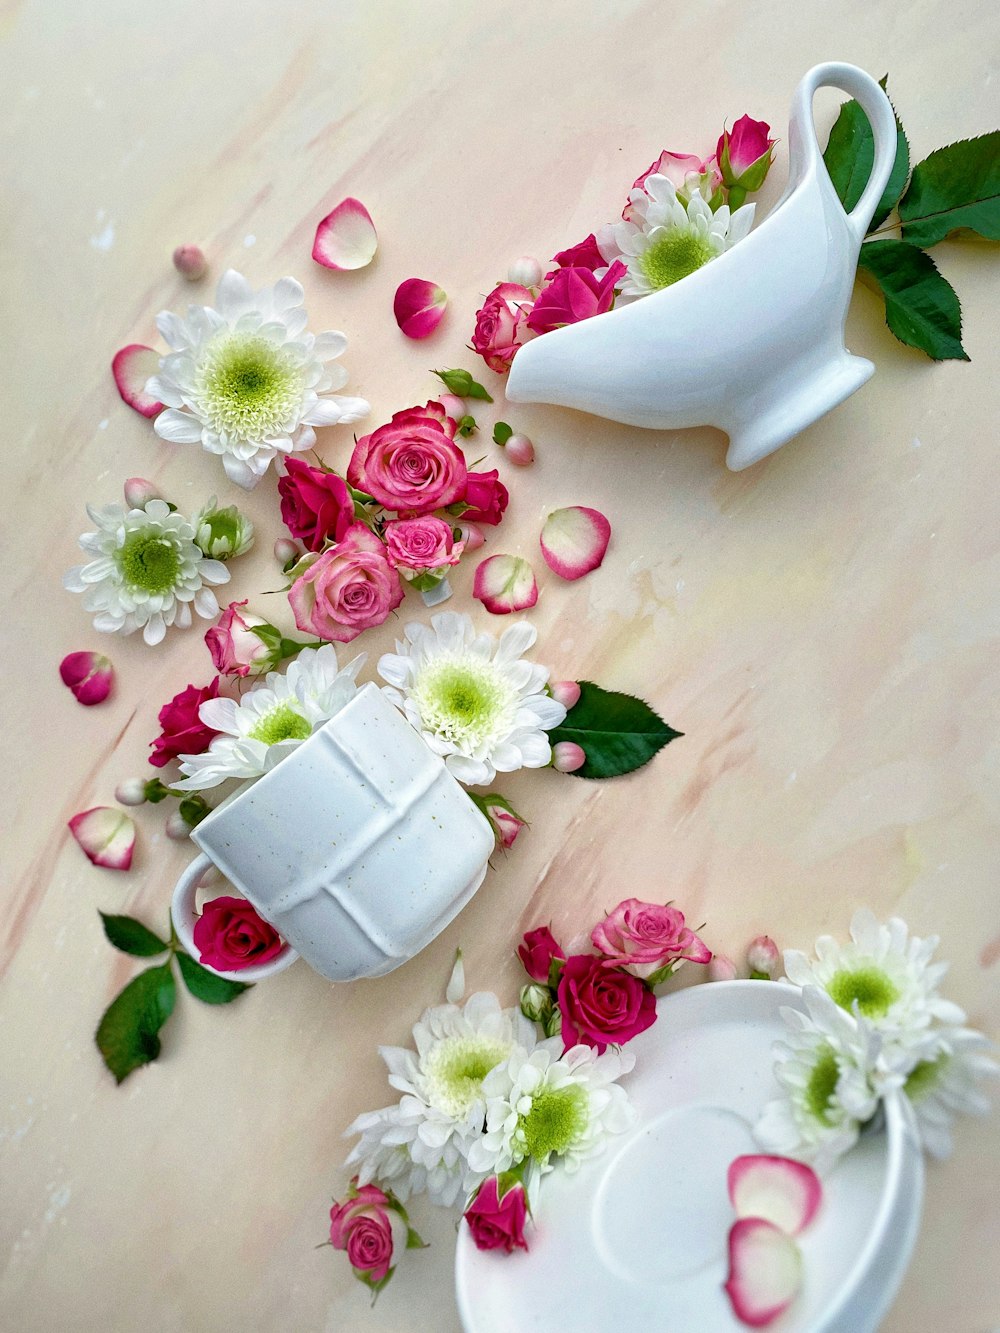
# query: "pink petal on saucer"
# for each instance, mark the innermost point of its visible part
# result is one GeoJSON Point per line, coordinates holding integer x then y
{"type": "Point", "coordinates": [419, 307]}
{"type": "Point", "coordinates": [574, 541]}
{"type": "Point", "coordinates": [505, 583]}
{"type": "Point", "coordinates": [132, 367]}
{"type": "Point", "coordinates": [106, 835]}
{"type": "Point", "coordinates": [765, 1271]}
{"type": "Point", "coordinates": [781, 1190]}
{"type": "Point", "coordinates": [346, 238]}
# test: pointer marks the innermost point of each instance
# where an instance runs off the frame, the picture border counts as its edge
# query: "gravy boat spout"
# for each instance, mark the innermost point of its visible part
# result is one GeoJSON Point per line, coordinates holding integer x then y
{"type": "Point", "coordinates": [753, 342]}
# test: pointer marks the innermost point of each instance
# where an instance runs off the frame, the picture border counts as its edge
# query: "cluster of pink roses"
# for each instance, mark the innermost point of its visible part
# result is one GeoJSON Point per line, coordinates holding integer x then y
{"type": "Point", "coordinates": [580, 283]}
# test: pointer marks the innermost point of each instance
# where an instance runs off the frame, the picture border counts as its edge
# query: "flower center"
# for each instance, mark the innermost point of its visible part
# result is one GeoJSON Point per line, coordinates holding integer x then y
{"type": "Point", "coordinates": [463, 703]}
{"type": "Point", "coordinates": [868, 986]}
{"type": "Point", "coordinates": [281, 723]}
{"type": "Point", "coordinates": [674, 254]}
{"type": "Point", "coordinates": [558, 1117]}
{"type": "Point", "coordinates": [822, 1085]}
{"type": "Point", "coordinates": [249, 387]}
{"type": "Point", "coordinates": [455, 1069]}
{"type": "Point", "coordinates": [149, 560]}
{"type": "Point", "coordinates": [924, 1077]}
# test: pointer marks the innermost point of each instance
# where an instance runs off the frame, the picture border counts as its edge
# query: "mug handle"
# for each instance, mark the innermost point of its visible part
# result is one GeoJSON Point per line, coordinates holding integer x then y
{"type": "Point", "coordinates": [184, 913]}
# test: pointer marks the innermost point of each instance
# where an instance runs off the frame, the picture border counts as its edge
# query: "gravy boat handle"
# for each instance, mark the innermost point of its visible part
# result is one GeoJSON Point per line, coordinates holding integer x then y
{"type": "Point", "coordinates": [876, 106]}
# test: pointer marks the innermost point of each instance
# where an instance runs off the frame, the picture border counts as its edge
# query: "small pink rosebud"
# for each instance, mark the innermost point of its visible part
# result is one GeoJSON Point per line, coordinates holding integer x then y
{"type": "Point", "coordinates": [762, 956]}
{"type": "Point", "coordinates": [190, 262]}
{"type": "Point", "coordinates": [526, 271]}
{"type": "Point", "coordinates": [567, 757]}
{"type": "Point", "coordinates": [520, 451]}
{"type": "Point", "coordinates": [139, 492]}
{"type": "Point", "coordinates": [89, 675]}
{"type": "Point", "coordinates": [721, 968]}
{"type": "Point", "coordinates": [286, 552]}
{"type": "Point", "coordinates": [507, 824]}
{"type": "Point", "coordinates": [177, 827]}
{"type": "Point", "coordinates": [472, 535]}
{"type": "Point", "coordinates": [453, 405]}
{"type": "Point", "coordinates": [131, 792]}
{"type": "Point", "coordinates": [565, 692]}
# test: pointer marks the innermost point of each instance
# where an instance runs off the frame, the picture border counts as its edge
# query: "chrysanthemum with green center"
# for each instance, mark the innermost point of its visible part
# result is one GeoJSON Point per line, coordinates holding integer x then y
{"type": "Point", "coordinates": [946, 1083]}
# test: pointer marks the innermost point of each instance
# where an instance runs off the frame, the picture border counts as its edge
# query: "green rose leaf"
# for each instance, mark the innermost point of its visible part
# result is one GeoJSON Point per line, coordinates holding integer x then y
{"type": "Point", "coordinates": [921, 307]}
{"type": "Point", "coordinates": [850, 156]}
{"type": "Point", "coordinates": [205, 985]}
{"type": "Point", "coordinates": [618, 733]}
{"type": "Point", "coordinates": [462, 385]}
{"type": "Point", "coordinates": [467, 426]}
{"type": "Point", "coordinates": [127, 1034]}
{"type": "Point", "coordinates": [955, 187]}
{"type": "Point", "coordinates": [131, 936]}
{"type": "Point", "coordinates": [502, 433]}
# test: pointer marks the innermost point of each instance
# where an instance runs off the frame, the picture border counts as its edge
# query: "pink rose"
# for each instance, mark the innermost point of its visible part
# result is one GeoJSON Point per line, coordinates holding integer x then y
{"type": "Point", "coordinates": [229, 935]}
{"type": "Point", "coordinates": [573, 294]}
{"type": "Point", "coordinates": [506, 824]}
{"type": "Point", "coordinates": [584, 254]}
{"type": "Point", "coordinates": [679, 169]}
{"type": "Point", "coordinates": [537, 952]}
{"type": "Point", "coordinates": [744, 154]}
{"type": "Point", "coordinates": [235, 649]}
{"type": "Point", "coordinates": [349, 588]}
{"type": "Point", "coordinates": [487, 495]}
{"type": "Point", "coordinates": [645, 937]}
{"type": "Point", "coordinates": [315, 505]}
{"type": "Point", "coordinates": [369, 1227]}
{"type": "Point", "coordinates": [498, 1223]}
{"type": "Point", "coordinates": [600, 1005]}
{"type": "Point", "coordinates": [411, 465]}
{"type": "Point", "coordinates": [183, 730]}
{"type": "Point", "coordinates": [501, 325]}
{"type": "Point", "coordinates": [421, 543]}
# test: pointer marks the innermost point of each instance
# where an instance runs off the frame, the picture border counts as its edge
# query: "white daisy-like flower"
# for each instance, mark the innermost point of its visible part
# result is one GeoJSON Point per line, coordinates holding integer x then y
{"type": "Point", "coordinates": [669, 236]}
{"type": "Point", "coordinates": [147, 572]}
{"type": "Point", "coordinates": [245, 379]}
{"type": "Point", "coordinates": [271, 719]}
{"type": "Point", "coordinates": [543, 1103]}
{"type": "Point", "coordinates": [882, 974]}
{"type": "Point", "coordinates": [945, 1083]}
{"type": "Point", "coordinates": [423, 1143]}
{"type": "Point", "coordinates": [474, 699]}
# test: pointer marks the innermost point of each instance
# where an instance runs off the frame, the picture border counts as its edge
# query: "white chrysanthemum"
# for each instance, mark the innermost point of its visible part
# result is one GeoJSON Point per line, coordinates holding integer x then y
{"type": "Point", "coordinates": [473, 698]}
{"type": "Point", "coordinates": [882, 974]}
{"type": "Point", "coordinates": [147, 572]}
{"type": "Point", "coordinates": [245, 379]}
{"type": "Point", "coordinates": [833, 1070]}
{"type": "Point", "coordinates": [542, 1104]}
{"type": "Point", "coordinates": [945, 1083]}
{"type": "Point", "coordinates": [423, 1143]}
{"type": "Point", "coordinates": [271, 719]}
{"type": "Point", "coordinates": [667, 236]}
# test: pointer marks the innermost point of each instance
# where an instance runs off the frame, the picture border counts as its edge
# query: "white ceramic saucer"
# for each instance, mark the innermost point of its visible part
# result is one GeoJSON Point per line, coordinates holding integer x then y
{"type": "Point", "coordinates": [637, 1238]}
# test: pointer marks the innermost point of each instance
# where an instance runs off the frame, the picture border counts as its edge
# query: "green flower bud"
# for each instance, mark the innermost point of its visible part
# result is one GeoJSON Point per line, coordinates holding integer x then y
{"type": "Point", "coordinates": [223, 534]}
{"type": "Point", "coordinates": [536, 1002]}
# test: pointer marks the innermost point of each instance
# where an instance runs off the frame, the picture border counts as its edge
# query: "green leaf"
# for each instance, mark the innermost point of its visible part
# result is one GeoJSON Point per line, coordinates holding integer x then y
{"type": "Point", "coordinates": [850, 156]}
{"type": "Point", "coordinates": [921, 307]}
{"type": "Point", "coordinates": [205, 985]}
{"type": "Point", "coordinates": [501, 433]}
{"type": "Point", "coordinates": [132, 936]}
{"type": "Point", "coordinates": [955, 187]}
{"type": "Point", "coordinates": [127, 1034]}
{"type": "Point", "coordinates": [156, 791]}
{"type": "Point", "coordinates": [661, 974]}
{"type": "Point", "coordinates": [618, 732]}
{"type": "Point", "coordinates": [467, 426]}
{"type": "Point", "coordinates": [461, 383]}
{"type": "Point", "coordinates": [193, 809]}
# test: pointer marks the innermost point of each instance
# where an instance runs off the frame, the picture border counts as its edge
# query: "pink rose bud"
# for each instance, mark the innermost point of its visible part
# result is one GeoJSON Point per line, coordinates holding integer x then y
{"type": "Point", "coordinates": [471, 535]}
{"type": "Point", "coordinates": [177, 827]}
{"type": "Point", "coordinates": [131, 792]}
{"type": "Point", "coordinates": [497, 1222]}
{"type": "Point", "coordinates": [139, 492]}
{"type": "Point", "coordinates": [721, 968]}
{"type": "Point", "coordinates": [236, 650]}
{"type": "Point", "coordinates": [507, 823]}
{"type": "Point", "coordinates": [526, 271]}
{"type": "Point", "coordinates": [89, 675]}
{"type": "Point", "coordinates": [762, 957]}
{"type": "Point", "coordinates": [519, 450]}
{"type": "Point", "coordinates": [565, 692]}
{"type": "Point", "coordinates": [744, 156]}
{"type": "Point", "coordinates": [190, 263]}
{"type": "Point", "coordinates": [567, 757]}
{"type": "Point", "coordinates": [371, 1227]}
{"type": "Point", "coordinates": [286, 552]}
{"type": "Point", "coordinates": [501, 325]}
{"type": "Point", "coordinates": [537, 952]}
{"type": "Point", "coordinates": [453, 405]}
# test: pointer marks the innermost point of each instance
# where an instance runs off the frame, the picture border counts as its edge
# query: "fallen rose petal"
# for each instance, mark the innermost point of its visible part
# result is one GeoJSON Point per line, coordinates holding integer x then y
{"type": "Point", "coordinates": [567, 756]}
{"type": "Point", "coordinates": [505, 583]}
{"type": "Point", "coordinates": [89, 675]}
{"type": "Point", "coordinates": [519, 450]}
{"type": "Point", "coordinates": [106, 835]}
{"type": "Point", "coordinates": [132, 367]}
{"type": "Point", "coordinates": [780, 1190]}
{"type": "Point", "coordinates": [565, 692]}
{"type": "Point", "coordinates": [765, 1271]}
{"type": "Point", "coordinates": [419, 307]}
{"type": "Point", "coordinates": [574, 541]}
{"type": "Point", "coordinates": [190, 262]}
{"type": "Point", "coordinates": [346, 238]}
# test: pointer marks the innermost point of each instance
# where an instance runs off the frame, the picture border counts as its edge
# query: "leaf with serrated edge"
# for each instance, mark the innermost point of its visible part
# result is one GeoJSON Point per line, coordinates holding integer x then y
{"type": "Point", "coordinates": [131, 936]}
{"type": "Point", "coordinates": [127, 1034]}
{"type": "Point", "coordinates": [955, 187]}
{"type": "Point", "coordinates": [921, 307]}
{"type": "Point", "coordinates": [850, 156]}
{"type": "Point", "coordinates": [205, 985]}
{"type": "Point", "coordinates": [618, 732]}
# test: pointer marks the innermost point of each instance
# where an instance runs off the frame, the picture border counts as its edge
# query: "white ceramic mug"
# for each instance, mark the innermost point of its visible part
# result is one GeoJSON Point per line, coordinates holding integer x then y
{"type": "Point", "coordinates": [359, 847]}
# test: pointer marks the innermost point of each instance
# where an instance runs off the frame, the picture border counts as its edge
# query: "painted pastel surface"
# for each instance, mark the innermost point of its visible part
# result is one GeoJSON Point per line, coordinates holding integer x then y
{"type": "Point", "coordinates": [823, 628]}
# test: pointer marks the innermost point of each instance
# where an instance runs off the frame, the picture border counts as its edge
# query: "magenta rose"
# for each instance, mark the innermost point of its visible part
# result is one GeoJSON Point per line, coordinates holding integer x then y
{"type": "Point", "coordinates": [349, 588]}
{"type": "Point", "coordinates": [498, 1223]}
{"type": "Point", "coordinates": [682, 170]}
{"type": "Point", "coordinates": [316, 506]}
{"type": "Point", "coordinates": [585, 254]}
{"type": "Point", "coordinates": [421, 543]}
{"type": "Point", "coordinates": [235, 649]}
{"type": "Point", "coordinates": [743, 147]}
{"type": "Point", "coordinates": [487, 496]}
{"type": "Point", "coordinates": [369, 1227]}
{"type": "Point", "coordinates": [645, 937]}
{"type": "Point", "coordinates": [600, 1005]}
{"type": "Point", "coordinates": [411, 465]}
{"type": "Point", "coordinates": [501, 325]}
{"type": "Point", "coordinates": [573, 294]}
{"type": "Point", "coordinates": [537, 952]}
{"type": "Point", "coordinates": [229, 935]}
{"type": "Point", "coordinates": [183, 730]}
